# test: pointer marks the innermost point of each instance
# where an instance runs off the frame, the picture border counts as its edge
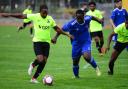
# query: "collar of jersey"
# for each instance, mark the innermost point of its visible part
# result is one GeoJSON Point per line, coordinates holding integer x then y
{"type": "Point", "coordinates": [81, 24]}
{"type": "Point", "coordinates": [119, 9]}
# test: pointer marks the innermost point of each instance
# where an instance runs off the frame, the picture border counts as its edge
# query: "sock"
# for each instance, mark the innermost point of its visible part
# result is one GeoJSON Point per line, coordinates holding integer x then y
{"type": "Point", "coordinates": [35, 63]}
{"type": "Point", "coordinates": [76, 70]}
{"type": "Point", "coordinates": [21, 28]}
{"type": "Point", "coordinates": [39, 69]}
{"type": "Point", "coordinates": [111, 66]}
{"type": "Point", "coordinates": [99, 50]}
{"type": "Point", "coordinates": [31, 31]}
{"type": "Point", "coordinates": [98, 47]}
{"type": "Point", "coordinates": [93, 63]}
{"type": "Point", "coordinates": [127, 48]}
{"type": "Point", "coordinates": [101, 43]}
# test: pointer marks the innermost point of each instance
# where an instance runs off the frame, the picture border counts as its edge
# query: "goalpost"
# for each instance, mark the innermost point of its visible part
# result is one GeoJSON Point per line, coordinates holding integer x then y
{"type": "Point", "coordinates": [125, 4]}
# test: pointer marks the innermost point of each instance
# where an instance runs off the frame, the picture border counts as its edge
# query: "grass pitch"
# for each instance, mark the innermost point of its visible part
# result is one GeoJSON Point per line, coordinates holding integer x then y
{"type": "Point", "coordinates": [16, 53]}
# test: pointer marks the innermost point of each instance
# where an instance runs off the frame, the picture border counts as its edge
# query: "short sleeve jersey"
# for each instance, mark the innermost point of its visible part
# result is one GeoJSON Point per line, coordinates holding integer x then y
{"type": "Point", "coordinates": [42, 27]}
{"type": "Point", "coordinates": [94, 25]}
{"type": "Point", "coordinates": [79, 31]}
{"type": "Point", "coordinates": [122, 33]}
{"type": "Point", "coordinates": [118, 16]}
{"type": "Point", "coordinates": [27, 11]}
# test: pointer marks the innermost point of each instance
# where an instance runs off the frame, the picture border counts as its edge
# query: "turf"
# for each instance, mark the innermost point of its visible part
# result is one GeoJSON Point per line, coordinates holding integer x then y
{"type": "Point", "coordinates": [16, 53]}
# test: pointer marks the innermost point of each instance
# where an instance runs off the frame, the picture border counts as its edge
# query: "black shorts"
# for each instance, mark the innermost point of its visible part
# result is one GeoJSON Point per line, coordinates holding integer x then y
{"type": "Point", "coordinates": [120, 46]}
{"type": "Point", "coordinates": [25, 24]}
{"type": "Point", "coordinates": [95, 34]}
{"type": "Point", "coordinates": [41, 48]}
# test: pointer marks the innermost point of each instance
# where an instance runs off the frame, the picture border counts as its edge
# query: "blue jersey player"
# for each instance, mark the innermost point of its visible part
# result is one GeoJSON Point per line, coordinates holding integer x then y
{"type": "Point", "coordinates": [81, 44]}
{"type": "Point", "coordinates": [118, 16]}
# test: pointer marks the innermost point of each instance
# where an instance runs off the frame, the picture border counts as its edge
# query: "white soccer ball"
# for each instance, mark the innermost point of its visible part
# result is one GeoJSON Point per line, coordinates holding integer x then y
{"type": "Point", "coordinates": [48, 80]}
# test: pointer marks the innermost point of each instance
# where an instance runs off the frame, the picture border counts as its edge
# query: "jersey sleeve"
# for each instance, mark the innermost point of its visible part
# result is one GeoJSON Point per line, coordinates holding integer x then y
{"type": "Point", "coordinates": [112, 15]}
{"type": "Point", "coordinates": [88, 18]}
{"type": "Point", "coordinates": [31, 16]}
{"type": "Point", "coordinates": [126, 13]}
{"type": "Point", "coordinates": [66, 27]}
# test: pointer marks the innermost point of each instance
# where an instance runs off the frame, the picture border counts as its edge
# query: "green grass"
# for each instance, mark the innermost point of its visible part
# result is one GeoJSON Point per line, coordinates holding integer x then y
{"type": "Point", "coordinates": [16, 53]}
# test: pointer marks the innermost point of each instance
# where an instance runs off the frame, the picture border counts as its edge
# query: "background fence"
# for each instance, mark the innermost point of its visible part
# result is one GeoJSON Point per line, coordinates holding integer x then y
{"type": "Point", "coordinates": [59, 9]}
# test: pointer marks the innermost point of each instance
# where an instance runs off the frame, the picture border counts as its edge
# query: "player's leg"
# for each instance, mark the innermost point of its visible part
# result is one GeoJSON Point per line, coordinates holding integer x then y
{"type": "Point", "coordinates": [42, 52]}
{"type": "Point", "coordinates": [97, 40]}
{"type": "Point", "coordinates": [22, 27]}
{"type": "Point", "coordinates": [101, 37]}
{"type": "Point", "coordinates": [31, 31]}
{"type": "Point", "coordinates": [76, 58]}
{"type": "Point", "coordinates": [31, 28]}
{"type": "Point", "coordinates": [113, 58]}
{"type": "Point", "coordinates": [76, 67]}
{"type": "Point", "coordinates": [86, 51]}
{"type": "Point", "coordinates": [118, 48]}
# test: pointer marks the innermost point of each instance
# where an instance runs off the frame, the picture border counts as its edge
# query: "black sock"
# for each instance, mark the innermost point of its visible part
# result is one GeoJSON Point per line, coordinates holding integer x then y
{"type": "Point", "coordinates": [35, 63]}
{"type": "Point", "coordinates": [101, 43]}
{"type": "Point", "coordinates": [98, 47]}
{"type": "Point", "coordinates": [111, 66]}
{"type": "Point", "coordinates": [31, 31]}
{"type": "Point", "coordinates": [39, 69]}
{"type": "Point", "coordinates": [21, 27]}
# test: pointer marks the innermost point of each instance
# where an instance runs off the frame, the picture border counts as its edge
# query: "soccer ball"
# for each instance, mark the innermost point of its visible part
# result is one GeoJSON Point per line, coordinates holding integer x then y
{"type": "Point", "coordinates": [48, 80]}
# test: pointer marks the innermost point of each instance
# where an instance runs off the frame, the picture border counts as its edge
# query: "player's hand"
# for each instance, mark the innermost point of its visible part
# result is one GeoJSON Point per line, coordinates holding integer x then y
{"type": "Point", "coordinates": [71, 36]}
{"type": "Point", "coordinates": [54, 40]}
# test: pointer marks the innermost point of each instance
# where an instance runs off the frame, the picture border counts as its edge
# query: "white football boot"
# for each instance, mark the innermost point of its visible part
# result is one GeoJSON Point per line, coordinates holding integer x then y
{"type": "Point", "coordinates": [33, 80]}
{"type": "Point", "coordinates": [98, 73]}
{"type": "Point", "coordinates": [30, 69]}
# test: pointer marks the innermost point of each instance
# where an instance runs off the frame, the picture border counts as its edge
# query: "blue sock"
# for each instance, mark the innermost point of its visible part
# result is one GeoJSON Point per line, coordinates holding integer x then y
{"type": "Point", "coordinates": [93, 63]}
{"type": "Point", "coordinates": [76, 70]}
{"type": "Point", "coordinates": [127, 48]}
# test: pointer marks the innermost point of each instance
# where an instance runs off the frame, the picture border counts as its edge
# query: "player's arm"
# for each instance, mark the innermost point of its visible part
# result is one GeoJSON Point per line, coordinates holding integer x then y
{"type": "Point", "coordinates": [112, 18]}
{"type": "Point", "coordinates": [60, 31]}
{"type": "Point", "coordinates": [109, 40]}
{"type": "Point", "coordinates": [112, 23]}
{"type": "Point", "coordinates": [54, 39]}
{"type": "Point", "coordinates": [15, 15]}
{"type": "Point", "coordinates": [97, 19]}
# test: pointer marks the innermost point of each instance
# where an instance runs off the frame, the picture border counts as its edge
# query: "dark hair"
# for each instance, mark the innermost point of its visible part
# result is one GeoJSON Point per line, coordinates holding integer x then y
{"type": "Point", "coordinates": [116, 1]}
{"type": "Point", "coordinates": [83, 4]}
{"type": "Point", "coordinates": [43, 7]}
{"type": "Point", "coordinates": [90, 3]}
{"type": "Point", "coordinates": [80, 12]}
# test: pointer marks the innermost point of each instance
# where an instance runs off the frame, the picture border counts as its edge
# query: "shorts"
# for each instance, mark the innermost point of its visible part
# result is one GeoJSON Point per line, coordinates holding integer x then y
{"type": "Point", "coordinates": [95, 34]}
{"type": "Point", "coordinates": [120, 46]}
{"type": "Point", "coordinates": [41, 48]}
{"type": "Point", "coordinates": [80, 49]}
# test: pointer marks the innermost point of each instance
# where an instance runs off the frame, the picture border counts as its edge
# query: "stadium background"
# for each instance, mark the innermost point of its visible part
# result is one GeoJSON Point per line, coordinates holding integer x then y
{"type": "Point", "coordinates": [61, 10]}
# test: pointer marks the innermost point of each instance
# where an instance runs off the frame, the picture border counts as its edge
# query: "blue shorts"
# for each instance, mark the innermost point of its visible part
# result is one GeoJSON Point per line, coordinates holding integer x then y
{"type": "Point", "coordinates": [79, 49]}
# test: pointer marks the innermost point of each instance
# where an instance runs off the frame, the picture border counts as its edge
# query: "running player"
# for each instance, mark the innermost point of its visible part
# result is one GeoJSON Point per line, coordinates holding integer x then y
{"type": "Point", "coordinates": [121, 43]}
{"type": "Point", "coordinates": [43, 23]}
{"type": "Point", "coordinates": [81, 44]}
{"type": "Point", "coordinates": [95, 27]}
{"type": "Point", "coordinates": [26, 22]}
